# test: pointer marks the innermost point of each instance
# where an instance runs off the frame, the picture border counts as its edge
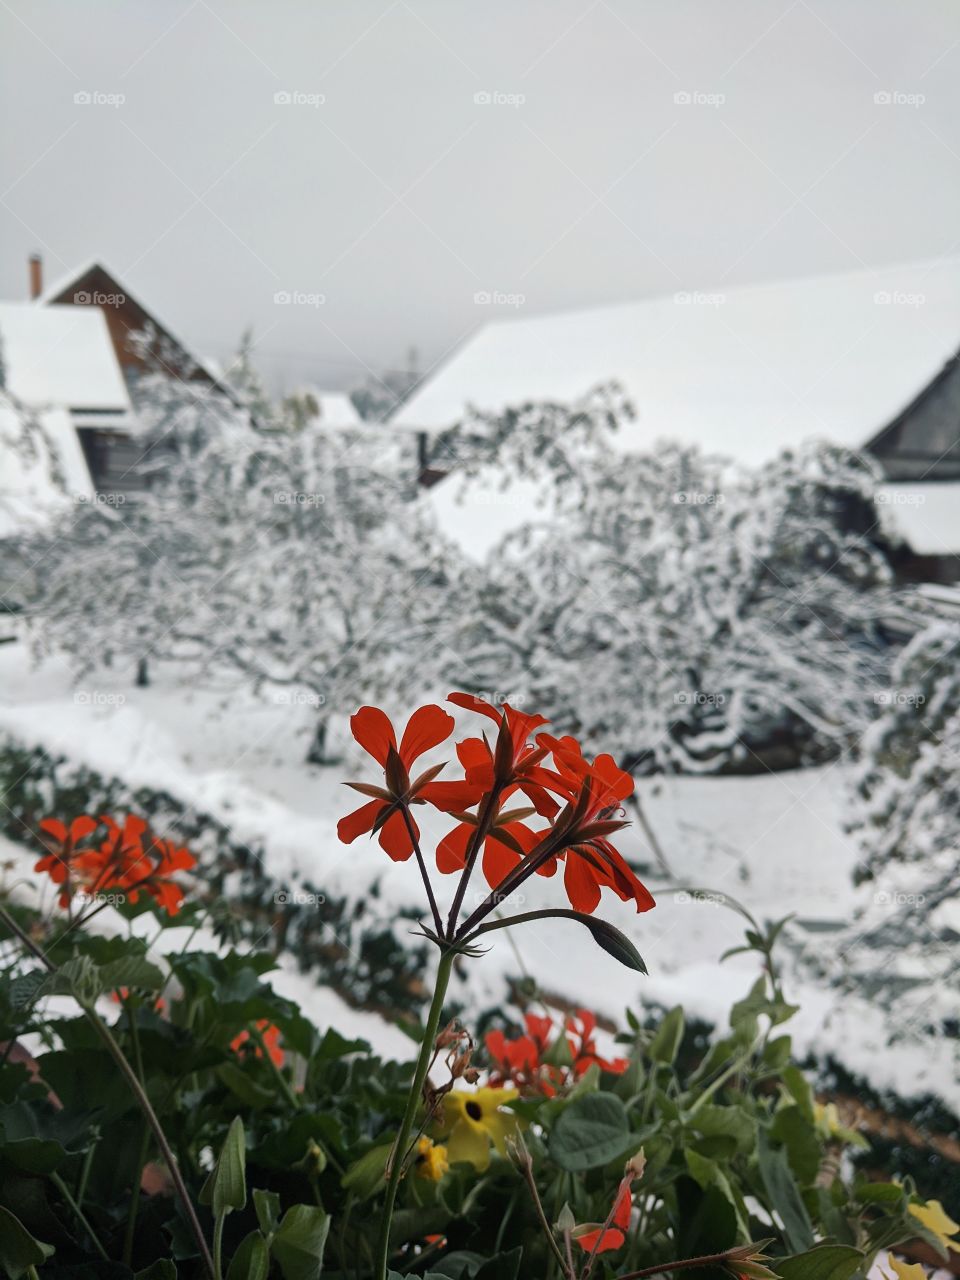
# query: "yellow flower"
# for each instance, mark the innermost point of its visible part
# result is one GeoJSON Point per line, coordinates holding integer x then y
{"type": "Point", "coordinates": [826, 1119]}
{"type": "Point", "coordinates": [431, 1160]}
{"type": "Point", "coordinates": [905, 1270]}
{"type": "Point", "coordinates": [938, 1223]}
{"type": "Point", "coordinates": [475, 1120]}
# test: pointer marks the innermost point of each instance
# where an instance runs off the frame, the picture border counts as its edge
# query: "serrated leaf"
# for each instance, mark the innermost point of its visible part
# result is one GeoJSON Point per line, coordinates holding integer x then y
{"type": "Point", "coordinates": [131, 971]}
{"type": "Point", "coordinates": [593, 1130]}
{"type": "Point", "coordinates": [26, 989]}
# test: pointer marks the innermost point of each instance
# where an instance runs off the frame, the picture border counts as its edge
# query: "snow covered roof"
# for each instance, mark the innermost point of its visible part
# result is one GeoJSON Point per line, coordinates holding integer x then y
{"type": "Point", "coordinates": [63, 356]}
{"type": "Point", "coordinates": [742, 372]}
{"type": "Point", "coordinates": [336, 407]}
{"type": "Point", "coordinates": [926, 516]}
{"type": "Point", "coordinates": [42, 467]}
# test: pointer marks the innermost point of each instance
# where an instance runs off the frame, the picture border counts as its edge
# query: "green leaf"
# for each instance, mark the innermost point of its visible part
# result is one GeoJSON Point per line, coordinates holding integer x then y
{"type": "Point", "coordinates": [19, 1250]}
{"type": "Point", "coordinates": [784, 1194]}
{"type": "Point", "coordinates": [793, 1129]}
{"type": "Point", "coordinates": [267, 1205]}
{"type": "Point", "coordinates": [162, 1269]}
{"type": "Point", "coordinates": [366, 1174]}
{"type": "Point", "coordinates": [226, 1187]}
{"type": "Point", "coordinates": [504, 1266]}
{"type": "Point", "coordinates": [593, 1130]}
{"type": "Point", "coordinates": [252, 1259]}
{"type": "Point", "coordinates": [731, 1122]}
{"type": "Point", "coordinates": [299, 1242]}
{"type": "Point", "coordinates": [27, 988]}
{"type": "Point", "coordinates": [799, 1088]}
{"type": "Point", "coordinates": [665, 1045]}
{"type": "Point", "coordinates": [244, 1087]}
{"type": "Point", "coordinates": [611, 940]}
{"type": "Point", "coordinates": [131, 971]}
{"type": "Point", "coordinates": [825, 1262]}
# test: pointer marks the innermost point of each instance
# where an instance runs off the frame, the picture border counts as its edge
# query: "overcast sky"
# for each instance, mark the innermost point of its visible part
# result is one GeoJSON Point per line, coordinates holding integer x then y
{"type": "Point", "coordinates": [550, 153]}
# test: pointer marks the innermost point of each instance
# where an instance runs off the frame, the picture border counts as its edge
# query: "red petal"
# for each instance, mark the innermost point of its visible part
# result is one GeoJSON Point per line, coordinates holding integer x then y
{"type": "Point", "coordinates": [498, 861]}
{"type": "Point", "coordinates": [473, 703]}
{"type": "Point", "coordinates": [426, 728]}
{"type": "Point", "coordinates": [621, 1212]}
{"type": "Point", "coordinates": [578, 880]}
{"type": "Point", "coordinates": [611, 1239]}
{"type": "Point", "coordinates": [452, 849]}
{"type": "Point", "coordinates": [395, 838]}
{"type": "Point", "coordinates": [361, 820]}
{"type": "Point", "coordinates": [372, 729]}
{"type": "Point", "coordinates": [450, 797]}
{"type": "Point", "coordinates": [55, 828]}
{"type": "Point", "coordinates": [81, 827]}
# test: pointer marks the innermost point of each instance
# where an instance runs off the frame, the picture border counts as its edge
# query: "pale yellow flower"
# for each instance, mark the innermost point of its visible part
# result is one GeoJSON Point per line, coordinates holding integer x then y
{"type": "Point", "coordinates": [905, 1270]}
{"type": "Point", "coordinates": [938, 1222]}
{"type": "Point", "coordinates": [474, 1121]}
{"type": "Point", "coordinates": [431, 1160]}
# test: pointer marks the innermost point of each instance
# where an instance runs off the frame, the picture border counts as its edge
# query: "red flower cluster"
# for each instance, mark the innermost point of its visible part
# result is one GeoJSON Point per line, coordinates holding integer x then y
{"type": "Point", "coordinates": [126, 860]}
{"type": "Point", "coordinates": [533, 1063]}
{"type": "Point", "coordinates": [577, 803]}
{"type": "Point", "coordinates": [246, 1043]}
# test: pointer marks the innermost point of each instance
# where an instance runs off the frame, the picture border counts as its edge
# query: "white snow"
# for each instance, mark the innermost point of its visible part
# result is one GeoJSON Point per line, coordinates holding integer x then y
{"type": "Point", "coordinates": [61, 356]}
{"type": "Point", "coordinates": [741, 372]}
{"type": "Point", "coordinates": [42, 467]}
{"type": "Point", "coordinates": [926, 516]}
{"type": "Point", "coordinates": [336, 408]}
{"type": "Point", "coordinates": [773, 842]}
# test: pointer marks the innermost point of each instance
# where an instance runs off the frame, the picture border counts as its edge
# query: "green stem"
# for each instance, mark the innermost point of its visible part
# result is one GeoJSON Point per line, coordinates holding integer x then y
{"type": "Point", "coordinates": [81, 1217]}
{"type": "Point", "coordinates": [705, 1260]}
{"type": "Point", "coordinates": [130, 1232]}
{"type": "Point", "coordinates": [281, 1079]}
{"type": "Point", "coordinates": [218, 1245]}
{"type": "Point", "coordinates": [399, 1152]}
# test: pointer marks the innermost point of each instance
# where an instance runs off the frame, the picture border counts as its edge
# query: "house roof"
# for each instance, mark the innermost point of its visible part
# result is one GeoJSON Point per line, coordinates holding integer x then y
{"type": "Point", "coordinates": [741, 372]}
{"type": "Point", "coordinates": [336, 407]}
{"type": "Point", "coordinates": [43, 468]}
{"type": "Point", "coordinates": [63, 357]}
{"type": "Point", "coordinates": [61, 289]}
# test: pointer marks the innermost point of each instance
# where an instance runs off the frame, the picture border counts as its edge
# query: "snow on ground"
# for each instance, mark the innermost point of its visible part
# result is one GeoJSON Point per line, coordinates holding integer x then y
{"type": "Point", "coordinates": [773, 842]}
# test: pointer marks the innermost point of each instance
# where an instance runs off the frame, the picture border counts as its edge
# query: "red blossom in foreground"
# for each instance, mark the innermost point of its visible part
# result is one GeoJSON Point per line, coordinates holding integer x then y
{"type": "Point", "coordinates": [575, 806]}
{"type": "Point", "coordinates": [604, 1238]}
{"type": "Point", "coordinates": [246, 1043]}
{"type": "Point", "coordinates": [127, 861]}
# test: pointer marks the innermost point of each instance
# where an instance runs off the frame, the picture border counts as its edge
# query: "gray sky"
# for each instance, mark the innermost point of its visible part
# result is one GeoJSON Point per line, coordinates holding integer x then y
{"type": "Point", "coordinates": [400, 196]}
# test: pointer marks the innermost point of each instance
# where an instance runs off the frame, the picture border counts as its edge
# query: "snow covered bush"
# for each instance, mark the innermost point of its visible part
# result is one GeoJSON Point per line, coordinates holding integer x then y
{"type": "Point", "coordinates": [699, 618]}
{"type": "Point", "coordinates": [906, 817]}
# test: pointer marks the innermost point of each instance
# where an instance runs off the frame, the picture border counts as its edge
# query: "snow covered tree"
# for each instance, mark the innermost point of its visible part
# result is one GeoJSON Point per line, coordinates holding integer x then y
{"type": "Point", "coordinates": [699, 617]}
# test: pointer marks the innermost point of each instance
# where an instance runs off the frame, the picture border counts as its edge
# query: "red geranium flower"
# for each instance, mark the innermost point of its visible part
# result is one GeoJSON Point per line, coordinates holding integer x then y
{"type": "Point", "coordinates": [614, 1235]}
{"type": "Point", "coordinates": [507, 843]}
{"type": "Point", "coordinates": [583, 1046]}
{"type": "Point", "coordinates": [519, 1062]}
{"type": "Point", "coordinates": [62, 843]}
{"type": "Point", "coordinates": [596, 792]}
{"type": "Point", "coordinates": [270, 1035]}
{"type": "Point", "coordinates": [513, 759]}
{"type": "Point", "coordinates": [427, 728]}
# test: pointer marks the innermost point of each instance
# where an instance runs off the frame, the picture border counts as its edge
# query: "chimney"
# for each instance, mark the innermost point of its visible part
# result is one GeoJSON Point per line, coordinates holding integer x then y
{"type": "Point", "coordinates": [36, 275]}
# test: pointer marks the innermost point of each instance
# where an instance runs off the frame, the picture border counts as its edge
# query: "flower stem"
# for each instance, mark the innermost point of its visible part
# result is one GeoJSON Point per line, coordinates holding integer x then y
{"type": "Point", "coordinates": [399, 1152]}
{"type": "Point", "coordinates": [78, 1213]}
{"type": "Point", "coordinates": [485, 819]}
{"type": "Point", "coordinates": [705, 1260]}
{"type": "Point", "coordinates": [412, 831]}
